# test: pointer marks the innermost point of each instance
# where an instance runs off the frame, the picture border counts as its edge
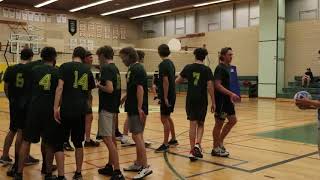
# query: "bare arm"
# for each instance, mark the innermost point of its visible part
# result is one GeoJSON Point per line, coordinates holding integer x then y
{"type": "Point", "coordinates": [108, 88]}
{"type": "Point", "coordinates": [180, 80]}
{"type": "Point", "coordinates": [6, 89]}
{"type": "Point", "coordinates": [308, 104]}
{"type": "Point", "coordinates": [57, 100]}
{"type": "Point", "coordinates": [165, 87]}
{"type": "Point", "coordinates": [210, 88]}
{"type": "Point", "coordinates": [220, 88]}
{"type": "Point", "coordinates": [140, 92]}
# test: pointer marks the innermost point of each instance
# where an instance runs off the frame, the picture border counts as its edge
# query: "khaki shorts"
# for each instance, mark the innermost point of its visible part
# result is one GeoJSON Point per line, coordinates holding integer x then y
{"type": "Point", "coordinates": [106, 124]}
{"type": "Point", "coordinates": [135, 125]}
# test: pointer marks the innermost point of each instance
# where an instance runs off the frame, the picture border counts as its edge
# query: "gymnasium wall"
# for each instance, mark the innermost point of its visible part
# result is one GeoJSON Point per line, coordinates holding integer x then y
{"type": "Point", "coordinates": [57, 35]}
{"type": "Point", "coordinates": [244, 42]}
{"type": "Point", "coordinates": [302, 46]}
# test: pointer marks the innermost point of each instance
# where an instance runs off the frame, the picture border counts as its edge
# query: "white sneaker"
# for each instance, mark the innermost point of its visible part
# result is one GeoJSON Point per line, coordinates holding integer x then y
{"type": "Point", "coordinates": [126, 141]}
{"type": "Point", "coordinates": [143, 173]}
{"type": "Point", "coordinates": [219, 152]}
{"type": "Point", "coordinates": [133, 168]}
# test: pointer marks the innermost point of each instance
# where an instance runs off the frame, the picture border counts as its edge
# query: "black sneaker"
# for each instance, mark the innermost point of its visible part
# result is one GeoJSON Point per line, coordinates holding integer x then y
{"type": "Point", "coordinates": [91, 143]}
{"type": "Point", "coordinates": [43, 169]}
{"type": "Point", "coordinates": [198, 151]}
{"type": "Point", "coordinates": [117, 175]}
{"type": "Point", "coordinates": [107, 170]}
{"type": "Point", "coordinates": [50, 177]}
{"type": "Point", "coordinates": [18, 176]}
{"type": "Point", "coordinates": [31, 161]}
{"type": "Point", "coordinates": [61, 178]}
{"type": "Point", "coordinates": [67, 146]}
{"type": "Point", "coordinates": [99, 138]}
{"type": "Point", "coordinates": [5, 160]}
{"type": "Point", "coordinates": [118, 135]}
{"type": "Point", "coordinates": [162, 148]}
{"type": "Point", "coordinates": [77, 176]}
{"type": "Point", "coordinates": [12, 171]}
{"type": "Point", "coordinates": [173, 142]}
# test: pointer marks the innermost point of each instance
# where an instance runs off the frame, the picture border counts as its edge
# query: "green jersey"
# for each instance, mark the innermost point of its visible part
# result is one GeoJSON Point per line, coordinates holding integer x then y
{"type": "Point", "coordinates": [136, 76]}
{"type": "Point", "coordinates": [110, 101]}
{"type": "Point", "coordinates": [78, 81]}
{"type": "Point", "coordinates": [15, 77]}
{"type": "Point", "coordinates": [166, 68]}
{"type": "Point", "coordinates": [44, 81]}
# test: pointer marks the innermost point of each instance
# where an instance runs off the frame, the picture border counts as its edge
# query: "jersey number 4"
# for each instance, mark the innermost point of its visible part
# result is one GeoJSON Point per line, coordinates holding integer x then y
{"type": "Point", "coordinates": [45, 82]}
{"type": "Point", "coordinates": [196, 77]}
{"type": "Point", "coordinates": [83, 81]}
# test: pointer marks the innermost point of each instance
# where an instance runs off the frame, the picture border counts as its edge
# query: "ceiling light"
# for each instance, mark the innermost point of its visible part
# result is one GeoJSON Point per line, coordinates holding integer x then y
{"type": "Point", "coordinates": [151, 14]}
{"type": "Point", "coordinates": [134, 7]}
{"type": "Point", "coordinates": [45, 3]}
{"type": "Point", "coordinates": [89, 5]}
{"type": "Point", "coordinates": [209, 3]}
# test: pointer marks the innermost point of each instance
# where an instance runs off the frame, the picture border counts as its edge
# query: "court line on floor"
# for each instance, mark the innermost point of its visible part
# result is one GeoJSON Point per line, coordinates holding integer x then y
{"type": "Point", "coordinates": [175, 172]}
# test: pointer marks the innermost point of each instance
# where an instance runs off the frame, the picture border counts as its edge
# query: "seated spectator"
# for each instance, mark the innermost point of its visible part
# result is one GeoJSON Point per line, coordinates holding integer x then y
{"type": "Point", "coordinates": [307, 78]}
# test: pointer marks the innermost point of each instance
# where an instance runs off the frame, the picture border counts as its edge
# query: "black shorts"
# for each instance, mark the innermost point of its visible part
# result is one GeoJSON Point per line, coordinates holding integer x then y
{"type": "Point", "coordinates": [224, 108]}
{"type": "Point", "coordinates": [40, 123]}
{"type": "Point", "coordinates": [196, 112]}
{"type": "Point", "coordinates": [75, 124]}
{"type": "Point", "coordinates": [18, 117]}
{"type": "Point", "coordinates": [164, 109]}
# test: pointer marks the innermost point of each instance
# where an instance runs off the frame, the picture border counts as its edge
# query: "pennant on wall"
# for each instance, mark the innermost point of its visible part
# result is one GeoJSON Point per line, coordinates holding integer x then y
{"type": "Point", "coordinates": [72, 26]}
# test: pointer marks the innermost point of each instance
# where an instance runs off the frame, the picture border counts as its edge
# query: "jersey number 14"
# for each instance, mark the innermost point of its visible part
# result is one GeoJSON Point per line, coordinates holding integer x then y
{"type": "Point", "coordinates": [83, 81]}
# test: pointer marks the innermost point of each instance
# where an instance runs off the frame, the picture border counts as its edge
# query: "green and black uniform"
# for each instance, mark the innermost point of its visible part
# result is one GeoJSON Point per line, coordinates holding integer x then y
{"type": "Point", "coordinates": [40, 121]}
{"type": "Point", "coordinates": [198, 76]}
{"type": "Point", "coordinates": [110, 102]}
{"type": "Point", "coordinates": [224, 106]}
{"type": "Point", "coordinates": [167, 69]}
{"type": "Point", "coordinates": [78, 81]}
{"type": "Point", "coordinates": [15, 77]}
{"type": "Point", "coordinates": [136, 76]}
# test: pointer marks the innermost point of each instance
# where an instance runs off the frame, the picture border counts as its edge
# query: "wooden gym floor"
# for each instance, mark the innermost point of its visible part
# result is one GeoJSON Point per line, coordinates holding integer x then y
{"type": "Point", "coordinates": [272, 140]}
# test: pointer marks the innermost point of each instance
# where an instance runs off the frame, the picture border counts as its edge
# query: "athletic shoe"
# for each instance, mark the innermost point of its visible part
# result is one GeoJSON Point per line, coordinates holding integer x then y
{"type": "Point", "coordinates": [143, 173]}
{"type": "Point", "coordinates": [126, 141]}
{"type": "Point", "coordinates": [77, 176]}
{"type": "Point", "coordinates": [117, 175]}
{"type": "Point", "coordinates": [133, 168]}
{"type": "Point", "coordinates": [192, 157]}
{"type": "Point", "coordinates": [107, 170]}
{"type": "Point", "coordinates": [162, 148]}
{"type": "Point", "coordinates": [31, 161]}
{"type": "Point", "coordinates": [67, 146]}
{"type": "Point", "coordinates": [50, 177]}
{"type": "Point", "coordinates": [91, 143]}
{"type": "Point", "coordinates": [17, 176]}
{"type": "Point", "coordinates": [173, 142]}
{"type": "Point", "coordinates": [118, 135]}
{"type": "Point", "coordinates": [147, 143]}
{"type": "Point", "coordinates": [99, 138]}
{"type": "Point", "coordinates": [5, 160]}
{"type": "Point", "coordinates": [198, 151]}
{"type": "Point", "coordinates": [43, 169]}
{"type": "Point", "coordinates": [223, 148]}
{"type": "Point", "coordinates": [61, 178]}
{"type": "Point", "coordinates": [11, 171]}
{"type": "Point", "coordinates": [219, 152]}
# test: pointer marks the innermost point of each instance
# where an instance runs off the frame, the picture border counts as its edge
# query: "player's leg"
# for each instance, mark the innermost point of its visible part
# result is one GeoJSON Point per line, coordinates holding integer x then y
{"type": "Point", "coordinates": [173, 141]}
{"type": "Point", "coordinates": [217, 151]}
{"type": "Point", "coordinates": [166, 129]}
{"type": "Point", "coordinates": [88, 141]}
{"type": "Point", "coordinates": [118, 134]}
{"type": "Point", "coordinates": [141, 149]}
{"type": "Point", "coordinates": [77, 138]}
{"type": "Point", "coordinates": [24, 149]}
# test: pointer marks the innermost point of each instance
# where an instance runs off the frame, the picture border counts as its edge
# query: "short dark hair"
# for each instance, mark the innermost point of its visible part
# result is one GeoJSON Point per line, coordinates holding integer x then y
{"type": "Point", "coordinates": [79, 52]}
{"type": "Point", "coordinates": [48, 54]}
{"type": "Point", "coordinates": [141, 55]}
{"type": "Point", "coordinates": [88, 53]}
{"type": "Point", "coordinates": [200, 53]}
{"type": "Point", "coordinates": [131, 53]}
{"type": "Point", "coordinates": [225, 50]}
{"type": "Point", "coordinates": [106, 51]}
{"type": "Point", "coordinates": [26, 54]}
{"type": "Point", "coordinates": [164, 50]}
